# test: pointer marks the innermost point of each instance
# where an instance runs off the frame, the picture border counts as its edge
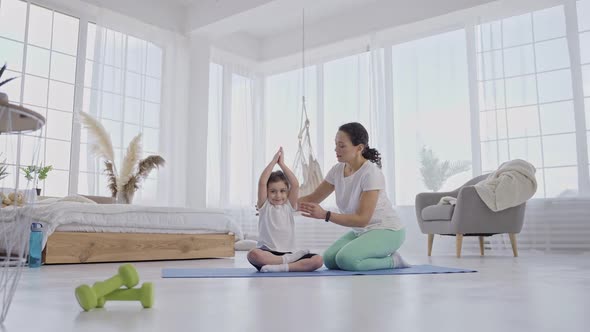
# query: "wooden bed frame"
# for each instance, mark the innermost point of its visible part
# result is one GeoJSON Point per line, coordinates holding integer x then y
{"type": "Point", "coordinates": [81, 247]}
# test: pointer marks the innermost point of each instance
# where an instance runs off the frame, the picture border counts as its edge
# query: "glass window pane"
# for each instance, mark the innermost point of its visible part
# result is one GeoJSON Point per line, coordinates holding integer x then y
{"type": "Point", "coordinates": [136, 54]}
{"type": "Point", "coordinates": [493, 94]}
{"type": "Point", "coordinates": [560, 150]}
{"type": "Point", "coordinates": [517, 30]}
{"type": "Point", "coordinates": [586, 79]}
{"type": "Point", "coordinates": [151, 115]}
{"type": "Point", "coordinates": [13, 17]}
{"type": "Point", "coordinates": [487, 125]}
{"type": "Point", "coordinates": [521, 91]}
{"type": "Point", "coordinates": [40, 26]}
{"type": "Point", "coordinates": [111, 106]}
{"type": "Point", "coordinates": [491, 65]}
{"type": "Point", "coordinates": [557, 117]}
{"type": "Point", "coordinates": [112, 80]}
{"type": "Point", "coordinates": [65, 34]}
{"type": "Point", "coordinates": [37, 61]}
{"type": "Point", "coordinates": [12, 54]}
{"type": "Point", "coordinates": [133, 85]}
{"type": "Point", "coordinates": [63, 67]}
{"type": "Point", "coordinates": [523, 121]}
{"type": "Point", "coordinates": [549, 23]}
{"type": "Point", "coordinates": [540, 184]}
{"type": "Point", "coordinates": [489, 156]}
{"type": "Point", "coordinates": [113, 128]}
{"type": "Point", "coordinates": [132, 110]}
{"type": "Point", "coordinates": [519, 60]}
{"type": "Point", "coordinates": [32, 148]}
{"type": "Point", "coordinates": [89, 73]}
{"type": "Point", "coordinates": [90, 41]}
{"type": "Point", "coordinates": [502, 124]}
{"type": "Point", "coordinates": [561, 182]}
{"type": "Point", "coordinates": [57, 183]}
{"type": "Point", "coordinates": [154, 61]}
{"type": "Point", "coordinates": [587, 107]}
{"type": "Point", "coordinates": [152, 89]}
{"type": "Point", "coordinates": [585, 47]}
{"type": "Point", "coordinates": [583, 15]}
{"type": "Point", "coordinates": [114, 48]}
{"type": "Point", "coordinates": [58, 154]}
{"type": "Point", "coordinates": [59, 125]}
{"type": "Point", "coordinates": [489, 36]}
{"type": "Point", "coordinates": [552, 54]}
{"type": "Point", "coordinates": [151, 139]}
{"type": "Point", "coordinates": [35, 92]}
{"type": "Point", "coordinates": [61, 96]}
{"type": "Point", "coordinates": [528, 149]}
{"type": "Point", "coordinates": [554, 86]}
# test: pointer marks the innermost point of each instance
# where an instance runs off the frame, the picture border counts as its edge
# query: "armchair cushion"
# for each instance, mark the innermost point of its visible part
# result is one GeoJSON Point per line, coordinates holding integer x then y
{"type": "Point", "coordinates": [438, 212]}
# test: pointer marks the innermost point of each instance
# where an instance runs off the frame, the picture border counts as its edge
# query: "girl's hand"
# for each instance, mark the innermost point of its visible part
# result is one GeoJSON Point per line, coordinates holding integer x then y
{"type": "Point", "coordinates": [281, 159]}
{"type": "Point", "coordinates": [312, 210]}
{"type": "Point", "coordinates": [277, 156]}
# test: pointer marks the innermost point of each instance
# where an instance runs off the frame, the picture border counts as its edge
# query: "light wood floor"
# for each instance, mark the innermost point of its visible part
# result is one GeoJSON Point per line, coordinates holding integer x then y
{"type": "Point", "coordinates": [529, 293]}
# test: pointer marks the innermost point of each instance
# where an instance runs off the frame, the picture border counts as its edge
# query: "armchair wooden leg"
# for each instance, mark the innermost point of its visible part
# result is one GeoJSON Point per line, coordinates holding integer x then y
{"type": "Point", "coordinates": [459, 243]}
{"type": "Point", "coordinates": [481, 245]}
{"type": "Point", "coordinates": [430, 240]}
{"type": "Point", "coordinates": [513, 242]}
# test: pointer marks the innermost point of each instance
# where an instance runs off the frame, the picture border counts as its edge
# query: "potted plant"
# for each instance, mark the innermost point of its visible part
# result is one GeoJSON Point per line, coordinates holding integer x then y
{"type": "Point", "coordinates": [3, 168]}
{"type": "Point", "coordinates": [41, 172]}
{"type": "Point", "coordinates": [436, 172]}
{"type": "Point", "coordinates": [4, 96]}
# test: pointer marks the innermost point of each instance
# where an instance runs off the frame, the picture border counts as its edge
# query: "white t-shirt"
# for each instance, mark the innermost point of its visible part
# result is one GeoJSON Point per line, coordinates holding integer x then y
{"type": "Point", "coordinates": [276, 227]}
{"type": "Point", "coordinates": [348, 192]}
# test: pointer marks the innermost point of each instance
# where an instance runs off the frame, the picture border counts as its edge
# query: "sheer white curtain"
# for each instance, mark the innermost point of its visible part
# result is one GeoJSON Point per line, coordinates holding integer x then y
{"type": "Point", "coordinates": [136, 82]}
{"type": "Point", "coordinates": [235, 146]}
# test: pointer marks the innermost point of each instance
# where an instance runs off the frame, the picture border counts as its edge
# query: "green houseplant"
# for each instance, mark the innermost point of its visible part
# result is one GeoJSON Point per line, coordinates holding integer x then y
{"type": "Point", "coordinates": [41, 172]}
{"type": "Point", "coordinates": [436, 172]}
{"type": "Point", "coordinates": [3, 168]}
{"type": "Point", "coordinates": [4, 96]}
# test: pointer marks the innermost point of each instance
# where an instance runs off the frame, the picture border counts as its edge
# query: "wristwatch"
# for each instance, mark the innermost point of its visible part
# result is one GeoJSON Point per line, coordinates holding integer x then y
{"type": "Point", "coordinates": [328, 216]}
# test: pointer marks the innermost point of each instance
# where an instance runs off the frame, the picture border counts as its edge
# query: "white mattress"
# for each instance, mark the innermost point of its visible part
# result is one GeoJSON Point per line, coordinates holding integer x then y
{"type": "Point", "coordinates": [121, 218]}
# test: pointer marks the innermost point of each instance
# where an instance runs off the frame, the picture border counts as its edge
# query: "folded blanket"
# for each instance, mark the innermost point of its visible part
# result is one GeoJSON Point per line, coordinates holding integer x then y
{"type": "Point", "coordinates": [447, 200]}
{"type": "Point", "coordinates": [512, 184]}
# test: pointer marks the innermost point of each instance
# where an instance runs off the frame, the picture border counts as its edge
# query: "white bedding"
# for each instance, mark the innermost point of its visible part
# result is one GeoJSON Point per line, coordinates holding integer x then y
{"type": "Point", "coordinates": [75, 216]}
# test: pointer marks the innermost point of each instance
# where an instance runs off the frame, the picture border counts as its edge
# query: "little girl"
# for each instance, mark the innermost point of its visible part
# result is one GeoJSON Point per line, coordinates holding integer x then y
{"type": "Point", "coordinates": [277, 201]}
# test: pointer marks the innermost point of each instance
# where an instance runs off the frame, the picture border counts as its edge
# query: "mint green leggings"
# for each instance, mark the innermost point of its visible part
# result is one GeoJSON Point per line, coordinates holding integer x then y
{"type": "Point", "coordinates": [369, 251]}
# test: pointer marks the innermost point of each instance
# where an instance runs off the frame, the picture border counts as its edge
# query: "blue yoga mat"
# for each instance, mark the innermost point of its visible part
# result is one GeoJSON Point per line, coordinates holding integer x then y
{"type": "Point", "coordinates": [252, 273]}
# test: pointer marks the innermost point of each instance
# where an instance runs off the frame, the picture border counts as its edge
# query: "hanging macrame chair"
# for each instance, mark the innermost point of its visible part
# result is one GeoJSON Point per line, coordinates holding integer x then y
{"type": "Point", "coordinates": [306, 166]}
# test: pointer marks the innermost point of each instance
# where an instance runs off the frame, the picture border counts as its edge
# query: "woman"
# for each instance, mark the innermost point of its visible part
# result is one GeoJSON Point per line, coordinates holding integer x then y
{"type": "Point", "coordinates": [377, 232]}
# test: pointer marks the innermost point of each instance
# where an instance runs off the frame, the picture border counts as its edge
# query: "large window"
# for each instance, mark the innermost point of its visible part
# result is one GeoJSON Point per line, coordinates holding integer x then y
{"type": "Point", "coordinates": [526, 99]}
{"type": "Point", "coordinates": [583, 10]}
{"type": "Point", "coordinates": [42, 54]}
{"type": "Point", "coordinates": [122, 88]}
{"type": "Point", "coordinates": [431, 112]}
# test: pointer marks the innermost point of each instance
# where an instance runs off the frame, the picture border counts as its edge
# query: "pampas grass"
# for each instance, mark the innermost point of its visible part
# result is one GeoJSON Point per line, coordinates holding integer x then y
{"type": "Point", "coordinates": [101, 140]}
{"type": "Point", "coordinates": [130, 161]}
{"type": "Point", "coordinates": [133, 170]}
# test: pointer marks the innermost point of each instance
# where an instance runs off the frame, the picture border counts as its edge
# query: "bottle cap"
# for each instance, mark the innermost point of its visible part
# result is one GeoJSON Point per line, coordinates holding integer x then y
{"type": "Point", "coordinates": [36, 226]}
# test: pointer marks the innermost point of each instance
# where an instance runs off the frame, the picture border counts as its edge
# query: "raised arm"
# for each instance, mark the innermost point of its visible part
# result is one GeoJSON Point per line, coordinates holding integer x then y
{"type": "Point", "coordinates": [293, 182]}
{"type": "Point", "coordinates": [319, 194]}
{"type": "Point", "coordinates": [264, 179]}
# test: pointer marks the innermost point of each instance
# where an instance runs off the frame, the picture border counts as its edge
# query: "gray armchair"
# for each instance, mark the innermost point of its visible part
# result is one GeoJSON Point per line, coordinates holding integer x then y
{"type": "Point", "coordinates": [469, 217]}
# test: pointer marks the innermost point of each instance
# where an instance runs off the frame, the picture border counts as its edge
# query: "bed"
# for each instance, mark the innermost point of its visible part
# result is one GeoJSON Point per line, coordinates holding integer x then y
{"type": "Point", "coordinates": [77, 230]}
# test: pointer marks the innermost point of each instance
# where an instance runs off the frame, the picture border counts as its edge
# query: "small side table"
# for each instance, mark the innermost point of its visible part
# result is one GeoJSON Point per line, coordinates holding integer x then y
{"type": "Point", "coordinates": [18, 119]}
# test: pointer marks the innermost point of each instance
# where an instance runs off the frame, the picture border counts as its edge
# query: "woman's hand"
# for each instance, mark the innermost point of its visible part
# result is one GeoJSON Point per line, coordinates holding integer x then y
{"type": "Point", "coordinates": [312, 210]}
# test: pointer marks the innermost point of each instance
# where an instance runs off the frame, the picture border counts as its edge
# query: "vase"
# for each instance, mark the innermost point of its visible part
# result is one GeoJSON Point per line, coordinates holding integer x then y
{"type": "Point", "coordinates": [124, 197]}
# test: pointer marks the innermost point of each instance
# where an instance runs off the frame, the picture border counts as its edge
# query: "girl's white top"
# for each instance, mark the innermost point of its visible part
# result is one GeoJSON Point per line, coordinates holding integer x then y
{"type": "Point", "coordinates": [276, 227]}
{"type": "Point", "coordinates": [348, 192]}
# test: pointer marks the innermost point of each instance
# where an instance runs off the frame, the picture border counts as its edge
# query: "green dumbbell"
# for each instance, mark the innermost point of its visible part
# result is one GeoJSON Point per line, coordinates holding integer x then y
{"type": "Point", "coordinates": [145, 295]}
{"type": "Point", "coordinates": [88, 296]}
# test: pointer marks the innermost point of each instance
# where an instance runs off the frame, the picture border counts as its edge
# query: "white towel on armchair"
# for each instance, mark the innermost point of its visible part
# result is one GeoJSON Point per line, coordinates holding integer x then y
{"type": "Point", "coordinates": [512, 184]}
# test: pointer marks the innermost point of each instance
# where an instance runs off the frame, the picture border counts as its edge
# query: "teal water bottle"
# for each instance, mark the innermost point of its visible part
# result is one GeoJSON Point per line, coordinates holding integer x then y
{"type": "Point", "coordinates": [35, 244]}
